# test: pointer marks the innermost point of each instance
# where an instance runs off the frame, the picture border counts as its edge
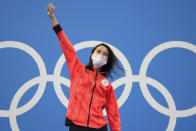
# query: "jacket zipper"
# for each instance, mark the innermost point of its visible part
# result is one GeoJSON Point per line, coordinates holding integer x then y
{"type": "Point", "coordinates": [91, 100]}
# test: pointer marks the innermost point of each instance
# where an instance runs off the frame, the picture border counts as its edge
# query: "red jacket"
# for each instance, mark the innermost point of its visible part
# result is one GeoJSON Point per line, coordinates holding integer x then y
{"type": "Point", "coordinates": [90, 92]}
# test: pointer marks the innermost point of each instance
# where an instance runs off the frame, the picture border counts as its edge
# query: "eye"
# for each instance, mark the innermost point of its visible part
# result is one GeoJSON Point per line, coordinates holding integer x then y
{"type": "Point", "coordinates": [98, 51]}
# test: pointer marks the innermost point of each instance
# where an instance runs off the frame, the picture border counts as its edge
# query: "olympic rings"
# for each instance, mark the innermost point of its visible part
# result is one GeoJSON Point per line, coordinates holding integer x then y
{"type": "Point", "coordinates": [128, 79]}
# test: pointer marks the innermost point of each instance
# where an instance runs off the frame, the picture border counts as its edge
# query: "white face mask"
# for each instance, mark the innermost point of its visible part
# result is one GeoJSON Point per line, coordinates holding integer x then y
{"type": "Point", "coordinates": [98, 60]}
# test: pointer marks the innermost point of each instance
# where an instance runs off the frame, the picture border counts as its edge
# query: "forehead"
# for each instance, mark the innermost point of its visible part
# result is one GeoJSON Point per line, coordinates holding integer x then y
{"type": "Point", "coordinates": [102, 48]}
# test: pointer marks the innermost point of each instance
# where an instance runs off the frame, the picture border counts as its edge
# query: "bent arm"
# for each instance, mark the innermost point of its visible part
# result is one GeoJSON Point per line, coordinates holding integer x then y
{"type": "Point", "coordinates": [113, 111]}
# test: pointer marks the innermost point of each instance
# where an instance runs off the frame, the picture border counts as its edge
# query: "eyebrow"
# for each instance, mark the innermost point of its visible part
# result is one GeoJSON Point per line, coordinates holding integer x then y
{"type": "Point", "coordinates": [102, 51]}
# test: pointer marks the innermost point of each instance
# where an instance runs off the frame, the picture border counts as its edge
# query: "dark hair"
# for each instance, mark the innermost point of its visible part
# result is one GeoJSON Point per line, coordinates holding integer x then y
{"type": "Point", "coordinates": [111, 65]}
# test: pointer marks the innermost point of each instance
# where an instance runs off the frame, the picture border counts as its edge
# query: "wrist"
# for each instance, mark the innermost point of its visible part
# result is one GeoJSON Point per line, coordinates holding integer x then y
{"type": "Point", "coordinates": [52, 16]}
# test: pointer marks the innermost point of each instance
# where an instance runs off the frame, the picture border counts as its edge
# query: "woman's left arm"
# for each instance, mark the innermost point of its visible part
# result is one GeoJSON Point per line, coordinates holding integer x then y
{"type": "Point", "coordinates": [112, 110]}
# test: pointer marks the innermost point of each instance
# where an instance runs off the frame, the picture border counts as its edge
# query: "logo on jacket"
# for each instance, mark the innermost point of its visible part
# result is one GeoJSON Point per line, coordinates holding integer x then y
{"type": "Point", "coordinates": [105, 82]}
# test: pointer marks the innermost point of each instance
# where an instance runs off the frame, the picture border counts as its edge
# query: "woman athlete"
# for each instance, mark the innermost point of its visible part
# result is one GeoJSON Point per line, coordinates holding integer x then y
{"type": "Point", "coordinates": [90, 91]}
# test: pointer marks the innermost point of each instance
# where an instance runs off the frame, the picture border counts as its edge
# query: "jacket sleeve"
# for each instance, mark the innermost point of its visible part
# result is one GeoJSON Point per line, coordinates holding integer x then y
{"type": "Point", "coordinates": [112, 110]}
{"type": "Point", "coordinates": [70, 55]}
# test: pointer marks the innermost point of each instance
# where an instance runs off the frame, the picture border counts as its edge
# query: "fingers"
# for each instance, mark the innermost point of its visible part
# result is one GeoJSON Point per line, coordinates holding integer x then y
{"type": "Point", "coordinates": [47, 8]}
{"type": "Point", "coordinates": [50, 8]}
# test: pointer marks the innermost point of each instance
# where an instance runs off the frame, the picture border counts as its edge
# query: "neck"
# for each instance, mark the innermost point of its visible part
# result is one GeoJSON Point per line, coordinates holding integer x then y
{"type": "Point", "coordinates": [98, 70]}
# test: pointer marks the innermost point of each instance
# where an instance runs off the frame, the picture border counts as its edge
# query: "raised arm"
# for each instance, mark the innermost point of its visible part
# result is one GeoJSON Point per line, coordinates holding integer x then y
{"type": "Point", "coordinates": [70, 55]}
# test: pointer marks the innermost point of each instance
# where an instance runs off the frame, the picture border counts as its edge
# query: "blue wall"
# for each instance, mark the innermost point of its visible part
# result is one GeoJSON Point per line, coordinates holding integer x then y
{"type": "Point", "coordinates": [154, 41]}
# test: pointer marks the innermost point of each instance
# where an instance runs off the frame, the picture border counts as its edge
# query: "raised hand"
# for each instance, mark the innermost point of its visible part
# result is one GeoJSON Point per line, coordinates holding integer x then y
{"type": "Point", "coordinates": [50, 8]}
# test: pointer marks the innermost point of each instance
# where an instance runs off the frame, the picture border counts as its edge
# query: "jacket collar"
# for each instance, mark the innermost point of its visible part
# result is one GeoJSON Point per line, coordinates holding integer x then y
{"type": "Point", "coordinates": [94, 70]}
